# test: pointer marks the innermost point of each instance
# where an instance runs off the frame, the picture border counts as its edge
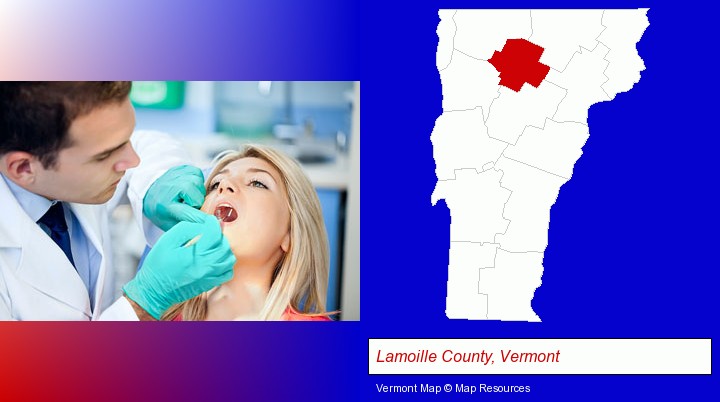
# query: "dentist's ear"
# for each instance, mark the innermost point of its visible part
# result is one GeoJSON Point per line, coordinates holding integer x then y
{"type": "Point", "coordinates": [20, 167]}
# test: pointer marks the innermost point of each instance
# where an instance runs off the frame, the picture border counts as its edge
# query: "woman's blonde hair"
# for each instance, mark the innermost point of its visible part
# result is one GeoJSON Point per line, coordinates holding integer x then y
{"type": "Point", "coordinates": [300, 277]}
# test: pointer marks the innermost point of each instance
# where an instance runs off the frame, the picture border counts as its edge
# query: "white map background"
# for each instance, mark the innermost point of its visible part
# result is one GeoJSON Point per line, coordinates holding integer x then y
{"type": "Point", "coordinates": [502, 156]}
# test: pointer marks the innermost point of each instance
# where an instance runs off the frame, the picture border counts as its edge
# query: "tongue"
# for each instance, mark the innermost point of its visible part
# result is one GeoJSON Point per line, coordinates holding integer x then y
{"type": "Point", "coordinates": [225, 214]}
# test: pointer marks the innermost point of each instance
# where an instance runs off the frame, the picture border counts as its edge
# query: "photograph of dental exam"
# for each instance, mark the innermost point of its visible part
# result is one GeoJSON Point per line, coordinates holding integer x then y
{"type": "Point", "coordinates": [179, 200]}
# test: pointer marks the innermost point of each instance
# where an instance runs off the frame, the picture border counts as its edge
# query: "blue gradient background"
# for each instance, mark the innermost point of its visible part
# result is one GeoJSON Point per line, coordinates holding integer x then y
{"type": "Point", "coordinates": [185, 40]}
{"type": "Point", "coordinates": [632, 243]}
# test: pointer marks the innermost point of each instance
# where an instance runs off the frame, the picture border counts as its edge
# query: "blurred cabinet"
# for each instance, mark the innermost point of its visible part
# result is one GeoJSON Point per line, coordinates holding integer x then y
{"type": "Point", "coordinates": [252, 109]}
{"type": "Point", "coordinates": [331, 202]}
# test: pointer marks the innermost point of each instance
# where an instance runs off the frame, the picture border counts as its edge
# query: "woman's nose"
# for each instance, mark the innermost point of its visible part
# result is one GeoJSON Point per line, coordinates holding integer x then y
{"type": "Point", "coordinates": [225, 186]}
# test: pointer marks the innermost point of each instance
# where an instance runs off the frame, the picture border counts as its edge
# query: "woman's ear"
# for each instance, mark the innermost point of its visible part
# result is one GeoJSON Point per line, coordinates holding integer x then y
{"type": "Point", "coordinates": [19, 167]}
{"type": "Point", "coordinates": [285, 245]}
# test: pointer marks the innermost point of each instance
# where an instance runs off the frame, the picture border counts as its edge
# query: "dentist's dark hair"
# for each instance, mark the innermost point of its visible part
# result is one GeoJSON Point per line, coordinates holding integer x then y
{"type": "Point", "coordinates": [35, 116]}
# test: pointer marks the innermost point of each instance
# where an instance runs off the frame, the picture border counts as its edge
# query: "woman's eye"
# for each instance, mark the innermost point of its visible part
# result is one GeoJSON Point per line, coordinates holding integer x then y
{"type": "Point", "coordinates": [214, 186]}
{"type": "Point", "coordinates": [259, 184]}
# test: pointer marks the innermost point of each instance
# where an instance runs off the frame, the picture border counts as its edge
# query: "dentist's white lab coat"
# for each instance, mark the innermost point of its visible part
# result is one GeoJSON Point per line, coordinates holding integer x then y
{"type": "Point", "coordinates": [37, 282]}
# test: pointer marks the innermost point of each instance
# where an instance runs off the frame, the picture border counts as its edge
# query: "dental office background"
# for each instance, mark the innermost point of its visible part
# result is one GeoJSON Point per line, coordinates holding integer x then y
{"type": "Point", "coordinates": [316, 122]}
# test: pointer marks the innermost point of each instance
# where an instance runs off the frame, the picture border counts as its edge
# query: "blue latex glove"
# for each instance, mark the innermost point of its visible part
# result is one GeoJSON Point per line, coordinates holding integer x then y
{"type": "Point", "coordinates": [175, 197]}
{"type": "Point", "coordinates": [173, 273]}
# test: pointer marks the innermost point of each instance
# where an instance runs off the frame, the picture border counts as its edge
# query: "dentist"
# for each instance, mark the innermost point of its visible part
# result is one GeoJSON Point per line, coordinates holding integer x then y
{"type": "Point", "coordinates": [68, 156]}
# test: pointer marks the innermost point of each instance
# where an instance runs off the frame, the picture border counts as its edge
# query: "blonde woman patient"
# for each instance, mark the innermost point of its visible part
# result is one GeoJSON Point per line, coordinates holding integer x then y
{"type": "Point", "coordinates": [271, 217]}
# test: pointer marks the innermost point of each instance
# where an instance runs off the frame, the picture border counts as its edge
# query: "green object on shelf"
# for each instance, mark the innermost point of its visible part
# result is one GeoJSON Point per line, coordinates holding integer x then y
{"type": "Point", "coordinates": [249, 120]}
{"type": "Point", "coordinates": [158, 94]}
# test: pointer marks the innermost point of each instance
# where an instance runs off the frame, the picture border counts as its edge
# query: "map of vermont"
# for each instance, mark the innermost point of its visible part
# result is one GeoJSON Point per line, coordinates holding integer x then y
{"type": "Point", "coordinates": [517, 86]}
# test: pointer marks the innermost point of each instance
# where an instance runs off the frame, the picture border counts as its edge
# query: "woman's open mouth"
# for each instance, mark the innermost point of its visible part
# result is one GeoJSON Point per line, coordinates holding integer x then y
{"type": "Point", "coordinates": [225, 213]}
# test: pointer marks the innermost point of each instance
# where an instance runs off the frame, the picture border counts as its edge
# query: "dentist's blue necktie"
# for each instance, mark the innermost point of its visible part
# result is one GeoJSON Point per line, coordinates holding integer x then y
{"type": "Point", "coordinates": [54, 220]}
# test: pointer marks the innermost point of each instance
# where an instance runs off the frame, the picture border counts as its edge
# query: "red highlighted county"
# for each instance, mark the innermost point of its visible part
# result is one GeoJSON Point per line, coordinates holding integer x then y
{"type": "Point", "coordinates": [518, 63]}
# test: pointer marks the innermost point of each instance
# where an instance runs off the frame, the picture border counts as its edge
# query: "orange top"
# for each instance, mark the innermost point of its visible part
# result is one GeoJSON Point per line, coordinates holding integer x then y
{"type": "Point", "coordinates": [291, 315]}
